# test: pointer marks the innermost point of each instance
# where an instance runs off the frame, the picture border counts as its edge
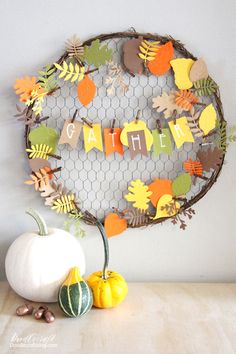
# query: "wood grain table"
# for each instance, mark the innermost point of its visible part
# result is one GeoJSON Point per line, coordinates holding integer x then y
{"type": "Point", "coordinates": [160, 318]}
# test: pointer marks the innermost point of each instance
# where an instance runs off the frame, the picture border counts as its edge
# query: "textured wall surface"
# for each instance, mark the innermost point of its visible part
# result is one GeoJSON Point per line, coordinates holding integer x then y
{"type": "Point", "coordinates": [32, 34]}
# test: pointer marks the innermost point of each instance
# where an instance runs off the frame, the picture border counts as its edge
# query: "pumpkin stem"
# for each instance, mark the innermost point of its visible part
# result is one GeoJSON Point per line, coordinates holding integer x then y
{"type": "Point", "coordinates": [43, 230]}
{"type": "Point", "coordinates": [106, 249]}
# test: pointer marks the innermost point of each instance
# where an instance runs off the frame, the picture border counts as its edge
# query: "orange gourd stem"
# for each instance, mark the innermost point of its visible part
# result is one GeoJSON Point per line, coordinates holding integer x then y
{"type": "Point", "coordinates": [106, 249]}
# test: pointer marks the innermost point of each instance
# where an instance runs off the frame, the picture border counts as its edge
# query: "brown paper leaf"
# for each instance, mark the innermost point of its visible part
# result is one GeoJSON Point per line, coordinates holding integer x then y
{"type": "Point", "coordinates": [37, 164]}
{"type": "Point", "coordinates": [131, 60]}
{"type": "Point", "coordinates": [198, 70]}
{"type": "Point", "coordinates": [135, 217]}
{"type": "Point", "coordinates": [210, 159]}
{"type": "Point", "coordinates": [166, 103]}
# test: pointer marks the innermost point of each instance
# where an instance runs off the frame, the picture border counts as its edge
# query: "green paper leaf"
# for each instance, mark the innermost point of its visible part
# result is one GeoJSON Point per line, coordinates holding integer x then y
{"type": "Point", "coordinates": [97, 55]}
{"type": "Point", "coordinates": [44, 135]}
{"type": "Point", "coordinates": [205, 87]}
{"type": "Point", "coordinates": [181, 185]}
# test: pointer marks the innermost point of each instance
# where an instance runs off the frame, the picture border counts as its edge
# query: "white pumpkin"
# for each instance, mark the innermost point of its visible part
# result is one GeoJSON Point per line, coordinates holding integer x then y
{"type": "Point", "coordinates": [38, 263]}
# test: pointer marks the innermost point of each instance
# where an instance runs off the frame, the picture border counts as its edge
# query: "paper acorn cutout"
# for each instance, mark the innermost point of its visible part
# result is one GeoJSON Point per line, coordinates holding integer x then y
{"type": "Point", "coordinates": [107, 138]}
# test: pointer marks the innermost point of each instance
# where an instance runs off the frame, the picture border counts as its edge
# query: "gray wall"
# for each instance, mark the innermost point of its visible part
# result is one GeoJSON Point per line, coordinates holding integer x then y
{"type": "Point", "coordinates": [32, 34]}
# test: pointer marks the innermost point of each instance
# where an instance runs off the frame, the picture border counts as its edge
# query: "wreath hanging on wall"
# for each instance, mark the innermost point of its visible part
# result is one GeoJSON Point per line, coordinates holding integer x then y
{"type": "Point", "coordinates": [184, 119]}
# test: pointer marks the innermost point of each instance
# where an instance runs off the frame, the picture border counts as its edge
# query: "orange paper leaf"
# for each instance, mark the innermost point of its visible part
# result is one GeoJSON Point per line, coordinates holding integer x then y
{"type": "Point", "coordinates": [86, 90]}
{"type": "Point", "coordinates": [25, 86]}
{"type": "Point", "coordinates": [158, 188]}
{"type": "Point", "coordinates": [194, 168]}
{"type": "Point", "coordinates": [185, 99]}
{"type": "Point", "coordinates": [161, 64]}
{"type": "Point", "coordinates": [114, 225]}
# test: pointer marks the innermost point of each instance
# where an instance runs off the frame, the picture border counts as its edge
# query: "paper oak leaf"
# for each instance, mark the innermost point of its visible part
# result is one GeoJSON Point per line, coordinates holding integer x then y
{"type": "Point", "coordinates": [97, 54]}
{"type": "Point", "coordinates": [166, 103]}
{"type": "Point", "coordinates": [185, 99]}
{"type": "Point", "coordinates": [114, 225]}
{"type": "Point", "coordinates": [44, 135]}
{"type": "Point", "coordinates": [181, 184]}
{"type": "Point", "coordinates": [207, 119]}
{"type": "Point", "coordinates": [166, 207]}
{"type": "Point", "coordinates": [181, 67]}
{"type": "Point", "coordinates": [210, 158]}
{"type": "Point", "coordinates": [148, 50]}
{"type": "Point", "coordinates": [64, 204]}
{"type": "Point", "coordinates": [205, 87]}
{"type": "Point", "coordinates": [139, 195]}
{"type": "Point", "coordinates": [161, 63]}
{"type": "Point", "coordinates": [159, 187]}
{"type": "Point", "coordinates": [70, 72]}
{"type": "Point", "coordinates": [41, 151]}
{"type": "Point", "coordinates": [132, 62]}
{"type": "Point", "coordinates": [194, 168]}
{"type": "Point", "coordinates": [198, 70]}
{"type": "Point", "coordinates": [86, 90]}
{"type": "Point", "coordinates": [24, 87]}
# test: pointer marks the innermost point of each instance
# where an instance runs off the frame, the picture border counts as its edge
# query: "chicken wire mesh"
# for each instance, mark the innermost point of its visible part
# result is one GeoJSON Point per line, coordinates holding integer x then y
{"type": "Point", "coordinates": [101, 182]}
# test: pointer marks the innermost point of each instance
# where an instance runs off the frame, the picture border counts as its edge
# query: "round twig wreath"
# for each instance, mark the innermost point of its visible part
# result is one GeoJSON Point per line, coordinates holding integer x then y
{"type": "Point", "coordinates": [126, 127]}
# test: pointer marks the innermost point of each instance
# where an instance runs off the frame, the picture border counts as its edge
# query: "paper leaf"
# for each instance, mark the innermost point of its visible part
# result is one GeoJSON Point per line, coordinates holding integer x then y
{"type": "Point", "coordinates": [181, 67]}
{"type": "Point", "coordinates": [210, 159]}
{"type": "Point", "coordinates": [161, 63]}
{"type": "Point", "coordinates": [41, 151]}
{"type": "Point", "coordinates": [139, 195]}
{"type": "Point", "coordinates": [86, 90]}
{"type": "Point", "coordinates": [115, 79]}
{"type": "Point", "coordinates": [194, 168]}
{"type": "Point", "coordinates": [135, 217]}
{"type": "Point", "coordinates": [70, 72]}
{"type": "Point", "coordinates": [64, 204]}
{"type": "Point", "coordinates": [158, 188]}
{"type": "Point", "coordinates": [193, 124]}
{"type": "Point", "coordinates": [132, 127]}
{"type": "Point", "coordinates": [44, 135]}
{"type": "Point", "coordinates": [40, 179]}
{"type": "Point", "coordinates": [166, 207]}
{"type": "Point", "coordinates": [74, 47]}
{"type": "Point", "coordinates": [148, 50]}
{"type": "Point", "coordinates": [205, 87]}
{"type": "Point", "coordinates": [181, 184]}
{"type": "Point", "coordinates": [166, 103]}
{"type": "Point", "coordinates": [198, 70]}
{"type": "Point", "coordinates": [185, 99]}
{"type": "Point", "coordinates": [207, 120]}
{"type": "Point", "coordinates": [24, 87]}
{"type": "Point", "coordinates": [114, 225]}
{"type": "Point", "coordinates": [37, 164]}
{"type": "Point", "coordinates": [131, 60]}
{"type": "Point", "coordinates": [97, 54]}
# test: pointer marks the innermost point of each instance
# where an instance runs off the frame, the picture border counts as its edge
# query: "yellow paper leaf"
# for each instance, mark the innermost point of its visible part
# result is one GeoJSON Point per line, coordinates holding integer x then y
{"type": "Point", "coordinates": [182, 67]}
{"type": "Point", "coordinates": [207, 120]}
{"type": "Point", "coordinates": [166, 207]}
{"type": "Point", "coordinates": [133, 126]}
{"type": "Point", "coordinates": [181, 131]}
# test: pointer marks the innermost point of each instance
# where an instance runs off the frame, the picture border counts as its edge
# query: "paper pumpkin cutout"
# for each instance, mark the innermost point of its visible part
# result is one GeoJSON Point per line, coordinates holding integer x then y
{"type": "Point", "coordinates": [161, 63]}
{"type": "Point", "coordinates": [166, 207]}
{"type": "Point", "coordinates": [162, 142]}
{"type": "Point", "coordinates": [181, 184]}
{"type": "Point", "coordinates": [181, 132]}
{"type": "Point", "coordinates": [112, 141]}
{"type": "Point", "coordinates": [158, 188]}
{"type": "Point", "coordinates": [139, 194]}
{"type": "Point", "coordinates": [86, 90]}
{"type": "Point", "coordinates": [198, 70]}
{"type": "Point", "coordinates": [70, 133]}
{"type": "Point", "coordinates": [207, 120]}
{"type": "Point", "coordinates": [133, 127]}
{"type": "Point", "coordinates": [166, 103]}
{"type": "Point", "coordinates": [131, 60]}
{"type": "Point", "coordinates": [182, 67]}
{"type": "Point", "coordinates": [44, 135]}
{"type": "Point", "coordinates": [114, 225]}
{"type": "Point", "coordinates": [92, 137]}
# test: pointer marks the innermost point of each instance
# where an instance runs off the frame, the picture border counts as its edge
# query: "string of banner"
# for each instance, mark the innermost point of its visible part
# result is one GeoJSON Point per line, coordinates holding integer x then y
{"type": "Point", "coordinates": [135, 135]}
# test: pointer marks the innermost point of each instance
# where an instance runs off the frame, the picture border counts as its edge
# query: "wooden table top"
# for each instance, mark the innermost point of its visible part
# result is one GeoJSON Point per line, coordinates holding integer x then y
{"type": "Point", "coordinates": [160, 318]}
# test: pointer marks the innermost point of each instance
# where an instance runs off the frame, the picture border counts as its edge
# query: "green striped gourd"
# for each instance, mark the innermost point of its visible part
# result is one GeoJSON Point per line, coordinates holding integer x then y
{"type": "Point", "coordinates": [75, 297]}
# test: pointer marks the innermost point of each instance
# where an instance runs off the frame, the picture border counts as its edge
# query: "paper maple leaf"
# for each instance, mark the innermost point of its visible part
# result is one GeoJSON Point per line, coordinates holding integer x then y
{"type": "Point", "coordinates": [139, 194]}
{"type": "Point", "coordinates": [24, 87]}
{"type": "Point", "coordinates": [97, 55]}
{"type": "Point", "coordinates": [210, 158]}
{"type": "Point", "coordinates": [166, 103]}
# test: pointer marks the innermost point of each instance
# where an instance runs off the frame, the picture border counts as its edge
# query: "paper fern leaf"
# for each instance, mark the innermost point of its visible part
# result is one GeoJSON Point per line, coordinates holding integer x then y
{"type": "Point", "coordinates": [194, 168]}
{"type": "Point", "coordinates": [193, 124]}
{"type": "Point", "coordinates": [40, 179]}
{"type": "Point", "coordinates": [148, 50]}
{"type": "Point", "coordinates": [41, 151]}
{"type": "Point", "coordinates": [64, 204]}
{"type": "Point", "coordinates": [139, 195]}
{"type": "Point", "coordinates": [136, 217]}
{"type": "Point", "coordinates": [74, 48]}
{"type": "Point", "coordinates": [185, 99]}
{"type": "Point", "coordinates": [70, 72]}
{"type": "Point", "coordinates": [204, 87]}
